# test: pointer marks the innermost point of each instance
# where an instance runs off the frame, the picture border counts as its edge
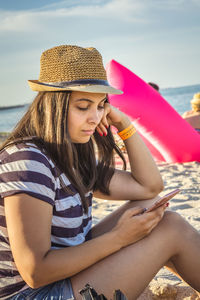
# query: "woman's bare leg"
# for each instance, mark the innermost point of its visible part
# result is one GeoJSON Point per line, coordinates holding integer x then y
{"type": "Point", "coordinates": [187, 260]}
{"type": "Point", "coordinates": [109, 221]}
{"type": "Point", "coordinates": [132, 268]}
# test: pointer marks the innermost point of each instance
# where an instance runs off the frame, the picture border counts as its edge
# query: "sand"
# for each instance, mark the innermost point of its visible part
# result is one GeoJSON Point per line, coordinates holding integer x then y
{"type": "Point", "coordinates": [185, 176]}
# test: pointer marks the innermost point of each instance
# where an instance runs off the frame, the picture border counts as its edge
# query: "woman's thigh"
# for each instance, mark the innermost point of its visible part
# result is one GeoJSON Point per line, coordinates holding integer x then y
{"type": "Point", "coordinates": [133, 267]}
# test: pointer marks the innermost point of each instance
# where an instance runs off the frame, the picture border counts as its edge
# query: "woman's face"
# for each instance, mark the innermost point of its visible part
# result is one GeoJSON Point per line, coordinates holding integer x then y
{"type": "Point", "coordinates": [85, 113]}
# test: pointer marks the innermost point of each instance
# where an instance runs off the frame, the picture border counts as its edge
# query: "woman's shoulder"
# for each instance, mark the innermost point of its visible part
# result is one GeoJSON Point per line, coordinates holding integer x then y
{"type": "Point", "coordinates": [25, 152]}
{"type": "Point", "coordinates": [187, 113]}
{"type": "Point", "coordinates": [24, 168]}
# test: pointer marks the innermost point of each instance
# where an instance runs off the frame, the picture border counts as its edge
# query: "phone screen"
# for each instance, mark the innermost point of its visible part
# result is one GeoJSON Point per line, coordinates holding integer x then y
{"type": "Point", "coordinates": [162, 200]}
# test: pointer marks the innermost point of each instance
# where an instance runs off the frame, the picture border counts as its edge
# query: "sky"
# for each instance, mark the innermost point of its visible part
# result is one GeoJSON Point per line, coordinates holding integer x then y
{"type": "Point", "coordinates": [159, 40]}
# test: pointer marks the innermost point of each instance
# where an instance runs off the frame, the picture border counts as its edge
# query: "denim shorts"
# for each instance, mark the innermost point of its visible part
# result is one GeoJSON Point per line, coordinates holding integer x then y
{"type": "Point", "coordinates": [59, 290]}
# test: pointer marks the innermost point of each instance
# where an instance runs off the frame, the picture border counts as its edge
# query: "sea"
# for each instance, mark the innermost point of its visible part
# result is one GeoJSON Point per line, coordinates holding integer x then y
{"type": "Point", "coordinates": [179, 98]}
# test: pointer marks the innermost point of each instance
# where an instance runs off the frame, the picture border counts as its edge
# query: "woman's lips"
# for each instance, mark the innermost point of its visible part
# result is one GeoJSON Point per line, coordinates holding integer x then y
{"type": "Point", "coordinates": [88, 132]}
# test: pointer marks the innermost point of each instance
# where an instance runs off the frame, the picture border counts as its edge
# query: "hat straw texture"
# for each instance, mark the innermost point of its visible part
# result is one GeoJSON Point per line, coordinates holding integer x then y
{"type": "Point", "coordinates": [69, 63]}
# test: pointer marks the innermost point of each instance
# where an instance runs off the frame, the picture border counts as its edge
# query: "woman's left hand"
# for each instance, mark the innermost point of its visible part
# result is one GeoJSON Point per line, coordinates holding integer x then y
{"type": "Point", "coordinates": [112, 116]}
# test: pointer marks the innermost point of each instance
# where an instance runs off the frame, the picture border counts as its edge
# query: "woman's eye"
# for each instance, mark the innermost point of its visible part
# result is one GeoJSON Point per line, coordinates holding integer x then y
{"type": "Point", "coordinates": [82, 108]}
{"type": "Point", "coordinates": [86, 108]}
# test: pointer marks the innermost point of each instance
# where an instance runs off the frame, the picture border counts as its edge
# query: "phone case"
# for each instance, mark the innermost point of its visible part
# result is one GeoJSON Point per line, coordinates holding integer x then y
{"type": "Point", "coordinates": [162, 200]}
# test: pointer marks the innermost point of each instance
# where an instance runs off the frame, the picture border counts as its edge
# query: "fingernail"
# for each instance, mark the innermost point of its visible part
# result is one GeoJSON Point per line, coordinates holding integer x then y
{"type": "Point", "coordinates": [101, 134]}
{"type": "Point", "coordinates": [167, 204]}
{"type": "Point", "coordinates": [107, 126]}
{"type": "Point", "coordinates": [105, 133]}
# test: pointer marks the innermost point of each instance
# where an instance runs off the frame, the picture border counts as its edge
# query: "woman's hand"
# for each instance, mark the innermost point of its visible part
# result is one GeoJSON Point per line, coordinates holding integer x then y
{"type": "Point", "coordinates": [112, 116]}
{"type": "Point", "coordinates": [134, 225]}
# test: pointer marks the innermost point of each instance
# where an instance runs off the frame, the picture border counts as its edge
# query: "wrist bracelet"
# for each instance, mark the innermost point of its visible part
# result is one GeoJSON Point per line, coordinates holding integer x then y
{"type": "Point", "coordinates": [127, 132]}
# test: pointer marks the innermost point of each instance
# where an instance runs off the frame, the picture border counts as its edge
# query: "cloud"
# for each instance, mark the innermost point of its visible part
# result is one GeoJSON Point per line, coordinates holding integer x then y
{"type": "Point", "coordinates": [125, 10]}
{"type": "Point", "coordinates": [69, 12]}
{"type": "Point", "coordinates": [34, 20]}
{"type": "Point", "coordinates": [16, 21]}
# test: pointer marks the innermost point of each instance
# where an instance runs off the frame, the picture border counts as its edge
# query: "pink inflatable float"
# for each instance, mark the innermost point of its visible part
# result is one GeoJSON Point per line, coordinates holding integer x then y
{"type": "Point", "coordinates": [166, 134]}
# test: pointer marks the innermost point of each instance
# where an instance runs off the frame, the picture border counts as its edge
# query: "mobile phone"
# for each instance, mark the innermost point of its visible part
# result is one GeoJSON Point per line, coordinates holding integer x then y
{"type": "Point", "coordinates": [162, 200]}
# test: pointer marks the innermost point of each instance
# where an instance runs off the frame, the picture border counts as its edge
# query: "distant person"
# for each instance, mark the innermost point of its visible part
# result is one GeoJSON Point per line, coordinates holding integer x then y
{"type": "Point", "coordinates": [155, 86]}
{"type": "Point", "coordinates": [193, 116]}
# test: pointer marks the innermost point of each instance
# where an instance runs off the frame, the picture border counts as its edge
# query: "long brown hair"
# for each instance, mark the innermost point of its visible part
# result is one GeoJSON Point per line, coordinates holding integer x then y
{"type": "Point", "coordinates": [88, 166]}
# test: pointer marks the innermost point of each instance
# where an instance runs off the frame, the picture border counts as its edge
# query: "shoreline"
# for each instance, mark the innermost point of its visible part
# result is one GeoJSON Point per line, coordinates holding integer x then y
{"type": "Point", "coordinates": [11, 106]}
{"type": "Point", "coordinates": [6, 107]}
{"type": "Point", "coordinates": [3, 136]}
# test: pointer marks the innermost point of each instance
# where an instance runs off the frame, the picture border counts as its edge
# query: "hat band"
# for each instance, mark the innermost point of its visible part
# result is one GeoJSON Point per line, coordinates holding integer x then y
{"type": "Point", "coordinates": [76, 82]}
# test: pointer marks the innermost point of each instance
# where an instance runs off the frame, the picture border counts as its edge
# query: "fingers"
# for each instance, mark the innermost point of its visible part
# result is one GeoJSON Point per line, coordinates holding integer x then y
{"type": "Point", "coordinates": [133, 211]}
{"type": "Point", "coordinates": [104, 121]}
{"type": "Point", "coordinates": [102, 129]}
{"type": "Point", "coordinates": [129, 214]}
{"type": "Point", "coordinates": [155, 216]}
{"type": "Point", "coordinates": [151, 219]}
{"type": "Point", "coordinates": [103, 125]}
{"type": "Point", "coordinates": [111, 116]}
{"type": "Point", "coordinates": [138, 211]}
{"type": "Point", "coordinates": [158, 211]}
{"type": "Point", "coordinates": [135, 225]}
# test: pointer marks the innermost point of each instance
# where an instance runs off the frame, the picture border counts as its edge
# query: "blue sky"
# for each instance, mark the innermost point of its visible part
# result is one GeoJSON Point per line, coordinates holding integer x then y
{"type": "Point", "coordinates": [157, 39]}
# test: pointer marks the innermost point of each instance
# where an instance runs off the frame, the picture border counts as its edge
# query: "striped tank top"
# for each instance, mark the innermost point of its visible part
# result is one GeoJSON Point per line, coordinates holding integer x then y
{"type": "Point", "coordinates": [24, 168]}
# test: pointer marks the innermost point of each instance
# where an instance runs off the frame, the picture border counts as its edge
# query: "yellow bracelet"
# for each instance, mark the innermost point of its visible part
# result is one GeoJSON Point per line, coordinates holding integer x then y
{"type": "Point", "coordinates": [127, 132]}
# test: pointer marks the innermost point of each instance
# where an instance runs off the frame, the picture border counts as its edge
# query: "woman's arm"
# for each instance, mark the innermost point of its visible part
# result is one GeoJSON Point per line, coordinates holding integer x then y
{"type": "Point", "coordinates": [144, 181]}
{"type": "Point", "coordinates": [29, 230]}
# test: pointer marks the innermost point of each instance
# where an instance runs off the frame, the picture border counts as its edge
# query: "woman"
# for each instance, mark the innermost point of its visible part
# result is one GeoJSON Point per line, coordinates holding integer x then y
{"type": "Point", "coordinates": [58, 156]}
{"type": "Point", "coordinates": [193, 116]}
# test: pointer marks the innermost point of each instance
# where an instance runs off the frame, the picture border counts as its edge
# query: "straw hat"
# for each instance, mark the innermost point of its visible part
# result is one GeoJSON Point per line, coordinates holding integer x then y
{"type": "Point", "coordinates": [72, 68]}
{"type": "Point", "coordinates": [196, 102]}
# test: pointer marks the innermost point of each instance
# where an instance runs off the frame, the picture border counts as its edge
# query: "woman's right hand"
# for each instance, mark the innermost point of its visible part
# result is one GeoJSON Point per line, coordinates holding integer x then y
{"type": "Point", "coordinates": [134, 225]}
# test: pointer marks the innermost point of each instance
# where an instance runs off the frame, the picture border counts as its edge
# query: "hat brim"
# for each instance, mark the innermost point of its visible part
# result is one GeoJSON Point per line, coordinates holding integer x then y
{"type": "Point", "coordinates": [36, 85]}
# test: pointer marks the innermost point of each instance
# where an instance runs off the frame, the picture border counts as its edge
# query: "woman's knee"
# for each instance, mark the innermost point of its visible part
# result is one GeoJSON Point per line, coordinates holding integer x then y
{"type": "Point", "coordinates": [174, 224]}
{"type": "Point", "coordinates": [172, 216]}
{"type": "Point", "coordinates": [167, 233]}
{"type": "Point", "coordinates": [178, 231]}
{"type": "Point", "coordinates": [172, 219]}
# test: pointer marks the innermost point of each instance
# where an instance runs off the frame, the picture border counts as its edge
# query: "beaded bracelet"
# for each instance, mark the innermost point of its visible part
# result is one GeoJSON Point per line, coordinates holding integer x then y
{"type": "Point", "coordinates": [127, 132]}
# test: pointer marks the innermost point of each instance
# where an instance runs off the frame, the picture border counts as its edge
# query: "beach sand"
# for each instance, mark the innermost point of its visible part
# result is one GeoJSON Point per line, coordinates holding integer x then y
{"type": "Point", "coordinates": [185, 176]}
